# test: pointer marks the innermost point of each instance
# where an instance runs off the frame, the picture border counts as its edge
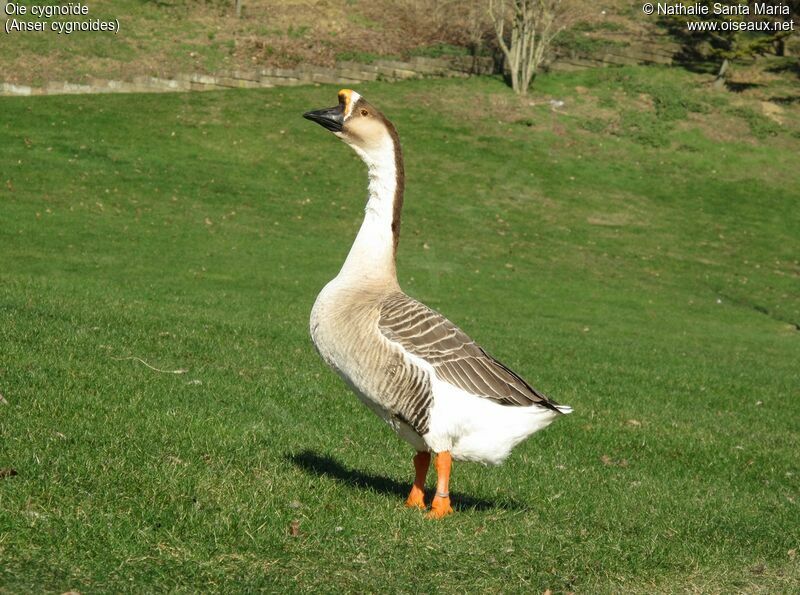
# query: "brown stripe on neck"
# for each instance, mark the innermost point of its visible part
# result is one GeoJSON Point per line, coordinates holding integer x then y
{"type": "Point", "coordinates": [400, 178]}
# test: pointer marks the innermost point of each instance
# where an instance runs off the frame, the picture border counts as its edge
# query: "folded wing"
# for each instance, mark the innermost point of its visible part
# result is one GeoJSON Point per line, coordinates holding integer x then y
{"type": "Point", "coordinates": [455, 357]}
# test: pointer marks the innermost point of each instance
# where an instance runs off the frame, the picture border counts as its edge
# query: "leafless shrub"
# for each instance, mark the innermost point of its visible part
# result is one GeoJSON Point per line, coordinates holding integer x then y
{"type": "Point", "coordinates": [428, 22]}
{"type": "Point", "coordinates": [525, 30]}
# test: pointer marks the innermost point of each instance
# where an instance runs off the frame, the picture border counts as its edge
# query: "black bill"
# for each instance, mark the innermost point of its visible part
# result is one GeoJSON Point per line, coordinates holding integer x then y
{"type": "Point", "coordinates": [331, 118]}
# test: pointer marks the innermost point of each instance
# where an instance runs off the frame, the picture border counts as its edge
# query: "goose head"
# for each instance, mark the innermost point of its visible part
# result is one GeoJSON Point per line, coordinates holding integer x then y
{"type": "Point", "coordinates": [360, 125]}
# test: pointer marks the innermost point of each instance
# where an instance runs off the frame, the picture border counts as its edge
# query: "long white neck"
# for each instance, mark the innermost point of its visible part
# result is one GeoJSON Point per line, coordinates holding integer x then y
{"type": "Point", "coordinates": [371, 257]}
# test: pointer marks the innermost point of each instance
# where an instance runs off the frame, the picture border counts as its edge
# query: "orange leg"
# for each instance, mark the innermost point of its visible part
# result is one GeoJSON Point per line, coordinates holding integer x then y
{"type": "Point", "coordinates": [416, 499]}
{"type": "Point", "coordinates": [441, 501]}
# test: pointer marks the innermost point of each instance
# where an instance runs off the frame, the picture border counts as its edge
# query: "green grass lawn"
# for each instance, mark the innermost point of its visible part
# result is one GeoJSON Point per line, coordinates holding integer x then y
{"type": "Point", "coordinates": [643, 269]}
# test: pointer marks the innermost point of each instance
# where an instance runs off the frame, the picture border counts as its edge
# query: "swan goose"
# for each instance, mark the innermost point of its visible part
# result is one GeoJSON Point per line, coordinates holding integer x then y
{"type": "Point", "coordinates": [438, 389]}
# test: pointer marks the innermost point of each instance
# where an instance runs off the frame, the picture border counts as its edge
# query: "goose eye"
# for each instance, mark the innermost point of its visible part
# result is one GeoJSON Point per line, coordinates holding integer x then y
{"type": "Point", "coordinates": [364, 112]}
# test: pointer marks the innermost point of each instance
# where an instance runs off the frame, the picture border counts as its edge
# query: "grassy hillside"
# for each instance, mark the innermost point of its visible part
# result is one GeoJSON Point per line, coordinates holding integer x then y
{"type": "Point", "coordinates": [633, 253]}
{"type": "Point", "coordinates": [173, 36]}
{"type": "Point", "coordinates": [166, 37]}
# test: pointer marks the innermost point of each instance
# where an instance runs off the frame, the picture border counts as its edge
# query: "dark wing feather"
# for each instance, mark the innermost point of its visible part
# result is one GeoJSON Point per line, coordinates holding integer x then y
{"type": "Point", "coordinates": [455, 357]}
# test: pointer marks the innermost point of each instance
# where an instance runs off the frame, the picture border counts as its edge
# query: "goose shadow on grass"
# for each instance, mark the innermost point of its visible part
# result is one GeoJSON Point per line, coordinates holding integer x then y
{"type": "Point", "coordinates": [325, 466]}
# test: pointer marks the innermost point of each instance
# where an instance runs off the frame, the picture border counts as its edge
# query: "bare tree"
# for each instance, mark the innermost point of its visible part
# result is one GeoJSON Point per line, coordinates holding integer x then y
{"type": "Point", "coordinates": [534, 25]}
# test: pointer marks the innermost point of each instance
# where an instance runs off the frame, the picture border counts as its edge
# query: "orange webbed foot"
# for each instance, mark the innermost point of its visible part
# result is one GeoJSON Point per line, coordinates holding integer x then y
{"type": "Point", "coordinates": [416, 499]}
{"type": "Point", "coordinates": [440, 507]}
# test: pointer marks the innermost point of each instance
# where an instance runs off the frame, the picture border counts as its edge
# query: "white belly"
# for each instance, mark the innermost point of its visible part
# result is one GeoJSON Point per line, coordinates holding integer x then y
{"type": "Point", "coordinates": [478, 429]}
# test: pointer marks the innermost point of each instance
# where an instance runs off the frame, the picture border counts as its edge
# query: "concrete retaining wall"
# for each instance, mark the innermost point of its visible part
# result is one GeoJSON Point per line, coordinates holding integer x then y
{"type": "Point", "coordinates": [632, 53]}
{"type": "Point", "coordinates": [345, 73]}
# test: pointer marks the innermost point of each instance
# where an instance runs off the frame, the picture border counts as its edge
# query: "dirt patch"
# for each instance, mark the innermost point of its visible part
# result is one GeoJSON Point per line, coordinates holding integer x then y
{"type": "Point", "coordinates": [612, 219]}
{"type": "Point", "coordinates": [773, 111]}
